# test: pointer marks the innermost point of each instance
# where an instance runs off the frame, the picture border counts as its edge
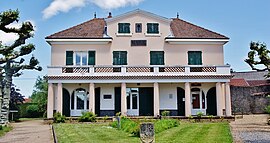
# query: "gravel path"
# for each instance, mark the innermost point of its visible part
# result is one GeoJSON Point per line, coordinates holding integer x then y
{"type": "Point", "coordinates": [34, 131]}
{"type": "Point", "coordinates": [251, 129]}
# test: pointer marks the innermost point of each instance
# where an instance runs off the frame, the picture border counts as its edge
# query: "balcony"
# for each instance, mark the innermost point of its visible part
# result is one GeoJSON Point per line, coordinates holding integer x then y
{"type": "Point", "coordinates": [137, 70]}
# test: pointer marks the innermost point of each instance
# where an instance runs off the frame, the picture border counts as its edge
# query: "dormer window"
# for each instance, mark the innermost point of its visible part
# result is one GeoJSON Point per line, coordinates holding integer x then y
{"type": "Point", "coordinates": [152, 28]}
{"type": "Point", "coordinates": [123, 27]}
{"type": "Point", "coordinates": [138, 28]}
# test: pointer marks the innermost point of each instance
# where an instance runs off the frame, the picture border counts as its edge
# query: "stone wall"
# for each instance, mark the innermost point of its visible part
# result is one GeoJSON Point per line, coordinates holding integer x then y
{"type": "Point", "coordinates": [250, 99]}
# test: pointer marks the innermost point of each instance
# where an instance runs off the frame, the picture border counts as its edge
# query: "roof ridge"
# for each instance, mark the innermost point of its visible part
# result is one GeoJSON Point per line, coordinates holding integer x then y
{"type": "Point", "coordinates": [200, 27]}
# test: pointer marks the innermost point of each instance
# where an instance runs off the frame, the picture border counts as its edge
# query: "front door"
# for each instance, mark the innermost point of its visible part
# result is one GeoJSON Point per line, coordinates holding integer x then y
{"type": "Point", "coordinates": [81, 101]}
{"type": "Point", "coordinates": [133, 102]}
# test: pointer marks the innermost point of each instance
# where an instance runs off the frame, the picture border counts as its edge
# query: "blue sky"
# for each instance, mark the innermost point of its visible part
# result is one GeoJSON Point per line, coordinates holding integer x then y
{"type": "Point", "coordinates": [240, 20]}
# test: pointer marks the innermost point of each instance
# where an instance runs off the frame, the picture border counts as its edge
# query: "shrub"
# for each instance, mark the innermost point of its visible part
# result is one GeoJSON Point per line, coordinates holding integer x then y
{"type": "Point", "coordinates": [165, 124]}
{"type": "Point", "coordinates": [87, 117]}
{"type": "Point", "coordinates": [128, 125]}
{"type": "Point", "coordinates": [1, 127]}
{"type": "Point", "coordinates": [165, 113]}
{"type": "Point", "coordinates": [267, 109]}
{"type": "Point", "coordinates": [32, 111]}
{"type": "Point", "coordinates": [58, 118]}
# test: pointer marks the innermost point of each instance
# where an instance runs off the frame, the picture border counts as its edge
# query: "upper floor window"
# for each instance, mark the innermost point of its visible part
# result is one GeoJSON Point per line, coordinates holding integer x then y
{"type": "Point", "coordinates": [119, 57]}
{"type": "Point", "coordinates": [156, 57]}
{"type": "Point", "coordinates": [138, 27]}
{"type": "Point", "coordinates": [194, 57]}
{"type": "Point", "coordinates": [123, 27]}
{"type": "Point", "coordinates": [152, 28]}
{"type": "Point", "coordinates": [80, 58]}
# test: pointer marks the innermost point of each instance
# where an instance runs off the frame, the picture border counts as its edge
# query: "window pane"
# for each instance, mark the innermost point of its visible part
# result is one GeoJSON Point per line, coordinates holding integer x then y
{"type": "Point", "coordinates": [123, 28]}
{"type": "Point", "coordinates": [134, 101]}
{"type": "Point", "coordinates": [152, 28]}
{"type": "Point", "coordinates": [119, 58]}
{"type": "Point", "coordinates": [80, 99]}
{"type": "Point", "coordinates": [84, 58]}
{"type": "Point", "coordinates": [156, 58]}
{"type": "Point", "coordinates": [195, 58]}
{"type": "Point", "coordinates": [78, 58]}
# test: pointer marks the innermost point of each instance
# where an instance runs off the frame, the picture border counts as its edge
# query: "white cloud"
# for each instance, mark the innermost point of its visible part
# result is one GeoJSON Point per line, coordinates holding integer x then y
{"type": "Point", "coordinates": [114, 4]}
{"type": "Point", "coordinates": [62, 6]}
{"type": "Point", "coordinates": [65, 5]}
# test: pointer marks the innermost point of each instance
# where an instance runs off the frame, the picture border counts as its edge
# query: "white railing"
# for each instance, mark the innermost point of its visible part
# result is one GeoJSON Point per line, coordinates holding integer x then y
{"type": "Point", "coordinates": [138, 70]}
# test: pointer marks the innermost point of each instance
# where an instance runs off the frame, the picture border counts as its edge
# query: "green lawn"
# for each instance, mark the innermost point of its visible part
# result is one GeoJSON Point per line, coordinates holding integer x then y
{"type": "Point", "coordinates": [5, 130]}
{"type": "Point", "coordinates": [185, 133]}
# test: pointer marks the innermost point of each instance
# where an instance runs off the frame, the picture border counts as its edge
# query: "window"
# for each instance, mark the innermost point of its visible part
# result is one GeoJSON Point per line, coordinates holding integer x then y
{"type": "Point", "coordinates": [152, 28]}
{"type": "Point", "coordinates": [120, 58]}
{"type": "Point", "coordinates": [138, 42]}
{"type": "Point", "coordinates": [107, 96]}
{"type": "Point", "coordinates": [157, 58]}
{"type": "Point", "coordinates": [138, 27]}
{"type": "Point", "coordinates": [195, 58]}
{"type": "Point", "coordinates": [80, 58]}
{"type": "Point", "coordinates": [123, 27]}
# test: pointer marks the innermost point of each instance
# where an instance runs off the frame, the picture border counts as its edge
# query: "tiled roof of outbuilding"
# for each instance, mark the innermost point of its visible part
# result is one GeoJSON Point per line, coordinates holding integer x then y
{"type": "Point", "coordinates": [90, 29]}
{"type": "Point", "coordinates": [186, 30]}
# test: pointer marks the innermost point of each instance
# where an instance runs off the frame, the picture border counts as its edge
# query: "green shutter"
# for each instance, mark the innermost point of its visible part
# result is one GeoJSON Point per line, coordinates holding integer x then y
{"type": "Point", "coordinates": [195, 58]}
{"type": "Point", "coordinates": [69, 57]}
{"type": "Point", "coordinates": [120, 28]}
{"type": "Point", "coordinates": [152, 28]}
{"type": "Point", "coordinates": [91, 57]}
{"type": "Point", "coordinates": [123, 27]}
{"type": "Point", "coordinates": [123, 57]}
{"type": "Point", "coordinates": [156, 57]}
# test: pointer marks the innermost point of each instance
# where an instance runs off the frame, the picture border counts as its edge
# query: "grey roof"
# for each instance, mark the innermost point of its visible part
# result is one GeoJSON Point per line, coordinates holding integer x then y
{"type": "Point", "coordinates": [250, 75]}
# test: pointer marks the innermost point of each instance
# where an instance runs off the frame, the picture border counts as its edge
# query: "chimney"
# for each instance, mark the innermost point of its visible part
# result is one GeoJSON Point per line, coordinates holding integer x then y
{"type": "Point", "coordinates": [110, 15]}
{"type": "Point", "coordinates": [95, 15]}
{"type": "Point", "coordinates": [177, 15]}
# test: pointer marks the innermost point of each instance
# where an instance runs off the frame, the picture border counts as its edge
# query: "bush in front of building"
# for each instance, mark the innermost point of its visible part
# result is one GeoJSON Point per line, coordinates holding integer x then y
{"type": "Point", "coordinates": [128, 125]}
{"type": "Point", "coordinates": [165, 124]}
{"type": "Point", "coordinates": [267, 109]}
{"type": "Point", "coordinates": [58, 118]}
{"type": "Point", "coordinates": [88, 117]}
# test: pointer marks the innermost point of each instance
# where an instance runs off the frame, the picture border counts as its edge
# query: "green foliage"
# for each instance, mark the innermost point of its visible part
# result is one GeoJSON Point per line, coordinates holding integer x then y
{"type": "Point", "coordinates": [118, 114]}
{"type": "Point", "coordinates": [199, 114]}
{"type": "Point", "coordinates": [87, 117]}
{"type": "Point", "coordinates": [165, 124]}
{"type": "Point", "coordinates": [267, 109]}
{"type": "Point", "coordinates": [1, 127]}
{"type": "Point", "coordinates": [165, 113]}
{"type": "Point", "coordinates": [210, 117]}
{"type": "Point", "coordinates": [4, 130]}
{"type": "Point", "coordinates": [58, 118]}
{"type": "Point", "coordinates": [39, 95]}
{"type": "Point", "coordinates": [33, 111]}
{"type": "Point", "coordinates": [128, 125]}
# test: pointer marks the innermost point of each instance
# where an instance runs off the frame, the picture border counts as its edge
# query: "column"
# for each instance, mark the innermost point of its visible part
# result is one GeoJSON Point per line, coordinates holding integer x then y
{"type": "Point", "coordinates": [59, 98]}
{"type": "Point", "coordinates": [123, 99]}
{"type": "Point", "coordinates": [92, 97]}
{"type": "Point", "coordinates": [187, 99]}
{"type": "Point", "coordinates": [50, 102]}
{"type": "Point", "coordinates": [228, 100]}
{"type": "Point", "coordinates": [218, 97]}
{"type": "Point", "coordinates": [156, 99]}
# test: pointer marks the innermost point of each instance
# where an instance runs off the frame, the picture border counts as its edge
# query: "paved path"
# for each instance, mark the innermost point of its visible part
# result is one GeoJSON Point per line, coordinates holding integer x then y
{"type": "Point", "coordinates": [251, 129]}
{"type": "Point", "coordinates": [34, 131]}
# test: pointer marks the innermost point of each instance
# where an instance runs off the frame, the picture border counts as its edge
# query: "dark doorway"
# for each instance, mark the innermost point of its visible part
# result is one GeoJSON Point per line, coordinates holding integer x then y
{"type": "Point", "coordinates": [181, 101]}
{"type": "Point", "coordinates": [66, 103]}
{"type": "Point", "coordinates": [97, 101]}
{"type": "Point", "coordinates": [117, 99]}
{"type": "Point", "coordinates": [211, 102]}
{"type": "Point", "coordinates": [146, 101]}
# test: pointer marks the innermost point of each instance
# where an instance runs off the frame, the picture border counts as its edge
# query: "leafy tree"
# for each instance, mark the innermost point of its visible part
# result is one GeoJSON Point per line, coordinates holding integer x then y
{"type": "Point", "coordinates": [40, 94]}
{"type": "Point", "coordinates": [11, 61]}
{"type": "Point", "coordinates": [259, 56]}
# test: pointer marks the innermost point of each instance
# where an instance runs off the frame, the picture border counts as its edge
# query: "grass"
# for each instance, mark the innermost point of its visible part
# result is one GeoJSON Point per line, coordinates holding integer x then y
{"type": "Point", "coordinates": [92, 133]}
{"type": "Point", "coordinates": [30, 119]}
{"type": "Point", "coordinates": [4, 130]}
{"type": "Point", "coordinates": [197, 133]}
{"type": "Point", "coordinates": [184, 133]}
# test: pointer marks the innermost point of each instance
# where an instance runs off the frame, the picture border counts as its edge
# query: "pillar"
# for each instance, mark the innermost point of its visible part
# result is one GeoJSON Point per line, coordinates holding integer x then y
{"type": "Point", "coordinates": [156, 99]}
{"type": "Point", "coordinates": [123, 99]}
{"type": "Point", "coordinates": [50, 101]}
{"type": "Point", "coordinates": [187, 99]}
{"type": "Point", "coordinates": [59, 98]}
{"type": "Point", "coordinates": [219, 97]}
{"type": "Point", "coordinates": [92, 97]}
{"type": "Point", "coordinates": [228, 99]}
